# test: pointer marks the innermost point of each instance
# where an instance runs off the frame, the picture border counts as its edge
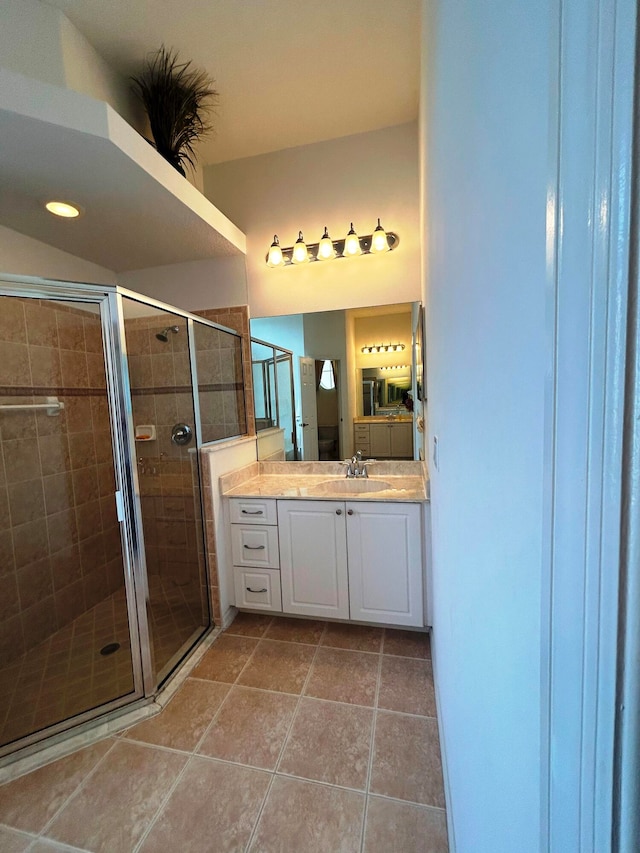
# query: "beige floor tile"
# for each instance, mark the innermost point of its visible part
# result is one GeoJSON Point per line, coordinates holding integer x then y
{"type": "Point", "coordinates": [406, 684]}
{"type": "Point", "coordinates": [251, 727]}
{"type": "Point", "coordinates": [214, 807]}
{"type": "Point", "coordinates": [360, 638]}
{"type": "Point", "coordinates": [344, 676]}
{"type": "Point", "coordinates": [45, 846]}
{"type": "Point", "coordinates": [113, 808]}
{"type": "Point", "coordinates": [404, 828]}
{"type": "Point", "coordinates": [249, 625]}
{"type": "Point", "coordinates": [295, 630]}
{"type": "Point", "coordinates": [30, 802]}
{"type": "Point", "coordinates": [304, 816]}
{"type": "Point", "coordinates": [14, 842]}
{"type": "Point", "coordinates": [329, 743]}
{"type": "Point", "coordinates": [278, 666]}
{"type": "Point", "coordinates": [406, 759]}
{"type": "Point", "coordinates": [225, 659]}
{"type": "Point", "coordinates": [182, 723]}
{"type": "Point", "coordinates": [410, 644]}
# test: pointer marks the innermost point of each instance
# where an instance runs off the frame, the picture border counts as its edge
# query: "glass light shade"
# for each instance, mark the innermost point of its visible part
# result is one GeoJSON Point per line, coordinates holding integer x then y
{"type": "Point", "coordinates": [300, 254]}
{"type": "Point", "coordinates": [275, 258]}
{"type": "Point", "coordinates": [62, 208]}
{"type": "Point", "coordinates": [351, 243]}
{"type": "Point", "coordinates": [325, 247]}
{"type": "Point", "coordinates": [379, 239]}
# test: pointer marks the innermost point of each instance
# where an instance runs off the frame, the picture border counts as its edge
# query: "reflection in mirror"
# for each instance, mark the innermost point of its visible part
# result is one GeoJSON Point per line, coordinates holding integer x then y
{"type": "Point", "coordinates": [343, 339]}
{"type": "Point", "coordinates": [272, 370]}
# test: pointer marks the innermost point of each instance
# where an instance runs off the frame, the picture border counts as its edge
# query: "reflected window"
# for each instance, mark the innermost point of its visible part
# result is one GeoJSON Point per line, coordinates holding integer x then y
{"type": "Point", "coordinates": [327, 378]}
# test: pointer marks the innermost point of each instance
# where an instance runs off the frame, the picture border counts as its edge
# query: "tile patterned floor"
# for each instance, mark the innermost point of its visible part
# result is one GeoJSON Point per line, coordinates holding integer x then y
{"type": "Point", "coordinates": [289, 735]}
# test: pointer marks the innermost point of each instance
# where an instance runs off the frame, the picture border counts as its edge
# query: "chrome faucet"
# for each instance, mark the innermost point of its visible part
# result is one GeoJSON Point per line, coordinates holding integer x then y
{"type": "Point", "coordinates": [355, 466]}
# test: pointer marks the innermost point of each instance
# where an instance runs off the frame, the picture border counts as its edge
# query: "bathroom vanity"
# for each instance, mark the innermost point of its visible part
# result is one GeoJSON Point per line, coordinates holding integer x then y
{"type": "Point", "coordinates": [325, 546]}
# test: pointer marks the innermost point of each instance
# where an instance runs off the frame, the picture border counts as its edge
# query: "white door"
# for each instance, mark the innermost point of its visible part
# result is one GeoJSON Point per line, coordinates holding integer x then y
{"type": "Point", "coordinates": [308, 408]}
{"type": "Point", "coordinates": [385, 563]}
{"type": "Point", "coordinates": [313, 558]}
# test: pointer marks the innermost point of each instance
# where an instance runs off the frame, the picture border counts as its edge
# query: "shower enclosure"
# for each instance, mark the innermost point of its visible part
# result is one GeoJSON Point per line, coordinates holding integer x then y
{"type": "Point", "coordinates": [105, 399]}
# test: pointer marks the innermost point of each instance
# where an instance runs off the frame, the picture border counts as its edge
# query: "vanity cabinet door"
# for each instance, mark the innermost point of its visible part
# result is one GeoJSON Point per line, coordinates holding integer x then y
{"type": "Point", "coordinates": [313, 558]}
{"type": "Point", "coordinates": [385, 562]}
{"type": "Point", "coordinates": [401, 440]}
{"type": "Point", "coordinates": [380, 440]}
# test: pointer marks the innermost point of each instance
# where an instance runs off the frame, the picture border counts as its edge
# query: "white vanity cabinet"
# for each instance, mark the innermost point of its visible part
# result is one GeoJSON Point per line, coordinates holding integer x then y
{"type": "Point", "coordinates": [352, 560]}
{"type": "Point", "coordinates": [388, 440]}
{"type": "Point", "coordinates": [313, 558]}
{"type": "Point", "coordinates": [255, 553]}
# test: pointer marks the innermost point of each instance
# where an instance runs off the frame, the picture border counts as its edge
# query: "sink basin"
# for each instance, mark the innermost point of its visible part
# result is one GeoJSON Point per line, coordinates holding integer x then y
{"type": "Point", "coordinates": [350, 486]}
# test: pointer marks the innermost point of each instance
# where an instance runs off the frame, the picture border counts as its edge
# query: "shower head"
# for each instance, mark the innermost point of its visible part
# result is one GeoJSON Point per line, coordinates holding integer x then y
{"type": "Point", "coordinates": [164, 336]}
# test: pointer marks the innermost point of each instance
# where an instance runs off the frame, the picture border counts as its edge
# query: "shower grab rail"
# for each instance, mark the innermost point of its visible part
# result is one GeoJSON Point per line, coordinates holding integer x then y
{"type": "Point", "coordinates": [53, 406]}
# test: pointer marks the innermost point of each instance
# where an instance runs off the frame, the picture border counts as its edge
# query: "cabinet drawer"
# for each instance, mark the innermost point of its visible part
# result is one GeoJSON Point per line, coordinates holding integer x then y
{"type": "Point", "coordinates": [257, 588]}
{"type": "Point", "coordinates": [255, 545]}
{"type": "Point", "coordinates": [253, 511]}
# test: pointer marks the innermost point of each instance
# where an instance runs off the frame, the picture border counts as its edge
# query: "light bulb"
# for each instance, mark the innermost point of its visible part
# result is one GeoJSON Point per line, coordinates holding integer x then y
{"type": "Point", "coordinates": [275, 258]}
{"type": "Point", "coordinates": [325, 247]}
{"type": "Point", "coordinates": [379, 239]}
{"type": "Point", "coordinates": [351, 243]}
{"type": "Point", "coordinates": [300, 255]}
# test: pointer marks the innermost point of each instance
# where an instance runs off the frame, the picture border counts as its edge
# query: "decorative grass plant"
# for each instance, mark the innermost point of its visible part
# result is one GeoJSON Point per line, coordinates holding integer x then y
{"type": "Point", "coordinates": [177, 99]}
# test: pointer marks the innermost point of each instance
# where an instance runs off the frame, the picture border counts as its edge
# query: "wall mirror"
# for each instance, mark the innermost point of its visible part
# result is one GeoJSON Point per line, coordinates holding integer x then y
{"type": "Point", "coordinates": [348, 369]}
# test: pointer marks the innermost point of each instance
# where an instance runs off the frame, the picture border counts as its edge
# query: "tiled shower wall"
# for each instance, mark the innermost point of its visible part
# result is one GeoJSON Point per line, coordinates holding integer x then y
{"type": "Point", "coordinates": [60, 547]}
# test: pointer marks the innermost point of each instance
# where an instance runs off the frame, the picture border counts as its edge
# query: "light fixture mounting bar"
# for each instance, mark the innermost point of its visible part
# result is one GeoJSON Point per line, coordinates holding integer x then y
{"type": "Point", "coordinates": [338, 245]}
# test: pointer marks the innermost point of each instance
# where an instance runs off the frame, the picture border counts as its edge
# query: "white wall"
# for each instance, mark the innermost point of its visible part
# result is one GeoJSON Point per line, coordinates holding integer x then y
{"type": "Point", "coordinates": [356, 178]}
{"type": "Point", "coordinates": [485, 116]}
{"type": "Point", "coordinates": [194, 285]}
{"type": "Point", "coordinates": [22, 255]}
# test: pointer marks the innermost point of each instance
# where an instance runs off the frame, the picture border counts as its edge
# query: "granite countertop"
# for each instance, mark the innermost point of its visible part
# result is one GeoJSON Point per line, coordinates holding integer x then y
{"type": "Point", "coordinates": [315, 482]}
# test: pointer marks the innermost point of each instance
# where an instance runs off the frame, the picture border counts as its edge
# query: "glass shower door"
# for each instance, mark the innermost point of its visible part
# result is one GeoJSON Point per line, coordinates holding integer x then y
{"type": "Point", "coordinates": [168, 483]}
{"type": "Point", "coordinates": [65, 639]}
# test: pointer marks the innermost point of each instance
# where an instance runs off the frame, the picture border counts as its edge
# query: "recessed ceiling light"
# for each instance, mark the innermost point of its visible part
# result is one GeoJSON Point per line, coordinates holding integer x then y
{"type": "Point", "coordinates": [63, 208]}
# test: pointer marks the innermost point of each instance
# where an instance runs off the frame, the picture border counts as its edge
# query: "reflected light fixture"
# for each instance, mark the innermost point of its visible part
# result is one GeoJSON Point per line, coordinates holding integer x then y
{"type": "Point", "coordinates": [300, 254]}
{"type": "Point", "coordinates": [326, 249]}
{"type": "Point", "coordinates": [63, 208]}
{"type": "Point", "coordinates": [383, 348]}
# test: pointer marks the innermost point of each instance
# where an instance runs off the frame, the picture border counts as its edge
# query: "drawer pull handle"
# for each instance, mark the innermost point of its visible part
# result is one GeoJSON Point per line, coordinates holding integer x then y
{"type": "Point", "coordinates": [248, 512]}
{"type": "Point", "coordinates": [256, 590]}
{"type": "Point", "coordinates": [254, 547]}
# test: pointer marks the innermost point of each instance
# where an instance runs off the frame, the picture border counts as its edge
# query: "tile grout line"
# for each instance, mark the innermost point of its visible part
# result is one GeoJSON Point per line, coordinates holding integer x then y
{"type": "Point", "coordinates": [285, 742]}
{"type": "Point", "coordinates": [372, 746]}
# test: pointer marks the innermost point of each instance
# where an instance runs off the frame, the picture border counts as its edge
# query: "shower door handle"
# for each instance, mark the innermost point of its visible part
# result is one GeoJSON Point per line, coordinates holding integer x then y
{"type": "Point", "coordinates": [120, 506]}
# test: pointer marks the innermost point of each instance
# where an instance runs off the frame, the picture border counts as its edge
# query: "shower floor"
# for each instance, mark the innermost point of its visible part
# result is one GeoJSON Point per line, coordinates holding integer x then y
{"type": "Point", "coordinates": [66, 674]}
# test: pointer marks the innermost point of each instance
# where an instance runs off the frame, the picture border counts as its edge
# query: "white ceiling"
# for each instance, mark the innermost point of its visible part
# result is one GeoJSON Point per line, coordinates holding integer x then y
{"type": "Point", "coordinates": [289, 72]}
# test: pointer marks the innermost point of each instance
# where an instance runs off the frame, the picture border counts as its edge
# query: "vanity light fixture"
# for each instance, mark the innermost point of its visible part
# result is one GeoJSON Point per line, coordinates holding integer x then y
{"type": "Point", "coordinates": [300, 253]}
{"type": "Point", "coordinates": [63, 208]}
{"type": "Point", "coordinates": [396, 367]}
{"type": "Point", "coordinates": [327, 249]}
{"type": "Point", "coordinates": [384, 348]}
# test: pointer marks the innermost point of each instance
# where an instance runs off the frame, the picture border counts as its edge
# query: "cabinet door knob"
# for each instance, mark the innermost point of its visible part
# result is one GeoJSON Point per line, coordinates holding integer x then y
{"type": "Point", "coordinates": [349, 512]}
{"type": "Point", "coordinates": [338, 512]}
